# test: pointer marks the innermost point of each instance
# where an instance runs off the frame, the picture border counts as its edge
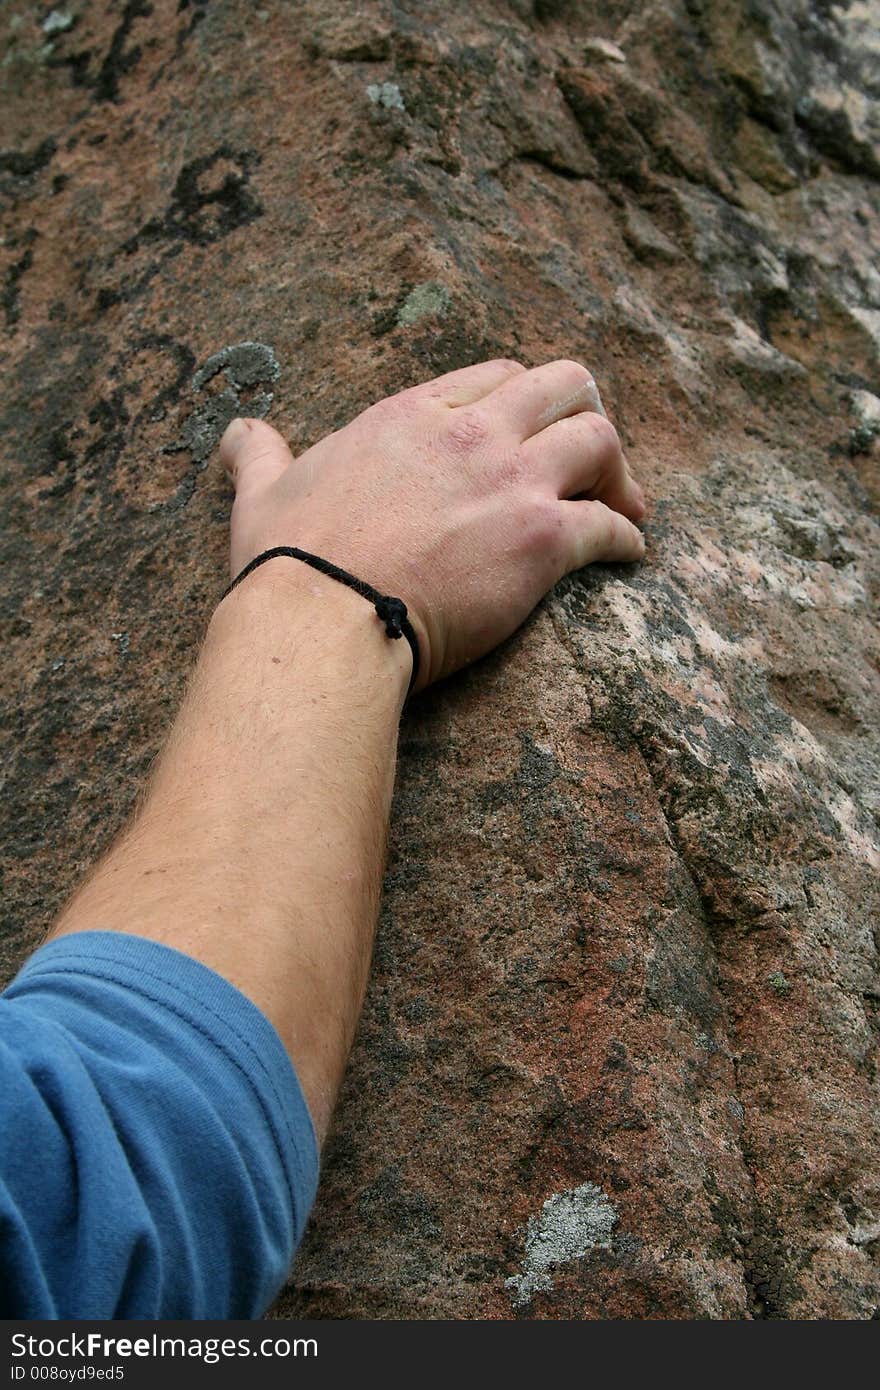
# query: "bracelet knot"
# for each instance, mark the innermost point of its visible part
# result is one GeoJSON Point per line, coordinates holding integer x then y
{"type": "Point", "coordinates": [392, 611]}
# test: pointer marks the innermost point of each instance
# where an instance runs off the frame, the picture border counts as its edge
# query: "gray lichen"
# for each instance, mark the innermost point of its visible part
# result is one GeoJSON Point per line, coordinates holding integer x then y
{"type": "Point", "coordinates": [245, 366]}
{"type": "Point", "coordinates": [57, 22]}
{"type": "Point", "coordinates": [569, 1226]}
{"type": "Point", "coordinates": [386, 94]}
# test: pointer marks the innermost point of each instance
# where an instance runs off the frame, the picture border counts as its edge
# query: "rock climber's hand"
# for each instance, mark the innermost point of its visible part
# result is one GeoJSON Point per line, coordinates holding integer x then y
{"type": "Point", "coordinates": [468, 497]}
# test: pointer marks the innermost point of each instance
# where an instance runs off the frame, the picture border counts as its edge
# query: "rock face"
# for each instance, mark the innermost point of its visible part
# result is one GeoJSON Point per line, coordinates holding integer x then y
{"type": "Point", "coordinates": [619, 1054]}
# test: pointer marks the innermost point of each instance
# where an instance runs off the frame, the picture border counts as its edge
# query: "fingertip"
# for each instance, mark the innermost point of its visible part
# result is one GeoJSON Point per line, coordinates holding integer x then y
{"type": "Point", "coordinates": [637, 505]}
{"type": "Point", "coordinates": [237, 428]}
{"type": "Point", "coordinates": [253, 450]}
{"type": "Point", "coordinates": [629, 501]}
{"type": "Point", "coordinates": [633, 544]}
{"type": "Point", "coordinates": [233, 437]}
{"type": "Point", "coordinates": [630, 542]}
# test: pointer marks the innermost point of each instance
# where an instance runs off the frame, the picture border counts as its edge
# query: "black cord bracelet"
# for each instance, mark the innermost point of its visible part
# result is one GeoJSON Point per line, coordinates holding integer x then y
{"type": "Point", "coordinates": [392, 611]}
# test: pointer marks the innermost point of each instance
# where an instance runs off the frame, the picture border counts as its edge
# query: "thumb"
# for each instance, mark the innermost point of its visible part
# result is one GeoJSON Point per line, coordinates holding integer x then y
{"type": "Point", "coordinates": [254, 455]}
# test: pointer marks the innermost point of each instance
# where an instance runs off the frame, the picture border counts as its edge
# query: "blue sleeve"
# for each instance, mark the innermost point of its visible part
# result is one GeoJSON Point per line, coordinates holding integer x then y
{"type": "Point", "coordinates": [157, 1159]}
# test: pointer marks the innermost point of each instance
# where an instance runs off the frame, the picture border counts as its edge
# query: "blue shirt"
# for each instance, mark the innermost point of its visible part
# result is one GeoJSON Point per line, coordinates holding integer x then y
{"type": "Point", "coordinates": [157, 1159]}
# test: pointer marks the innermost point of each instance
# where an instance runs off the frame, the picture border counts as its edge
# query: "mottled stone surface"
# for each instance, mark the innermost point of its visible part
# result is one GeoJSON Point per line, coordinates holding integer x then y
{"type": "Point", "coordinates": [619, 1053]}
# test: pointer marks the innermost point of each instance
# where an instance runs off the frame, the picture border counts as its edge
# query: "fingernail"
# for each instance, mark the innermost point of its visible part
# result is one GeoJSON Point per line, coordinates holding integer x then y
{"type": "Point", "coordinates": [235, 428]}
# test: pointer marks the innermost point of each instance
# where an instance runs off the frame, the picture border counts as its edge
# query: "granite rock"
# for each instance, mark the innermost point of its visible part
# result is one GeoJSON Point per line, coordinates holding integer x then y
{"type": "Point", "coordinates": [618, 1057]}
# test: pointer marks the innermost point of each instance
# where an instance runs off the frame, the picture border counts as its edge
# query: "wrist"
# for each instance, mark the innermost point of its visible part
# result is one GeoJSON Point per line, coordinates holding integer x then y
{"type": "Point", "coordinates": [286, 610]}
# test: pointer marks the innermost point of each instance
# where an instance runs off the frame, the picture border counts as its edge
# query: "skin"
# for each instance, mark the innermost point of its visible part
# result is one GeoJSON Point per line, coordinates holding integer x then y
{"type": "Point", "coordinates": [260, 843]}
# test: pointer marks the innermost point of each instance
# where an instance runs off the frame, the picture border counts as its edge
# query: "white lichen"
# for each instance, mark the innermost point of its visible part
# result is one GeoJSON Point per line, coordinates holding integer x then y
{"type": "Point", "coordinates": [386, 94]}
{"type": "Point", "coordinates": [57, 22]}
{"type": "Point", "coordinates": [604, 49]}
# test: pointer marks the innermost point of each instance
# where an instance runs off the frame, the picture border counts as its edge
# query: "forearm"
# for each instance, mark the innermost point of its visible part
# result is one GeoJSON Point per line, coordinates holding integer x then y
{"type": "Point", "coordinates": [260, 845]}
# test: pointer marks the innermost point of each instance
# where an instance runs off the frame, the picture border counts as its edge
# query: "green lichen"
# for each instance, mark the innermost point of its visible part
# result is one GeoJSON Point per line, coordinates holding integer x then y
{"type": "Point", "coordinates": [425, 300]}
{"type": "Point", "coordinates": [779, 984]}
{"type": "Point", "coordinates": [861, 438]}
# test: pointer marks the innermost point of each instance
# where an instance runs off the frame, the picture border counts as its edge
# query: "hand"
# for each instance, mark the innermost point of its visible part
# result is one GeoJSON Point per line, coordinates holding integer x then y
{"type": "Point", "coordinates": [468, 497]}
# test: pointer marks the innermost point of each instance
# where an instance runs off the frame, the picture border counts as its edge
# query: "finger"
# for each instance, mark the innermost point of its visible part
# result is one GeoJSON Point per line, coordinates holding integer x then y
{"type": "Point", "coordinates": [582, 454]}
{"type": "Point", "coordinates": [531, 401]}
{"type": "Point", "coordinates": [592, 532]}
{"type": "Point", "coordinates": [253, 454]}
{"type": "Point", "coordinates": [470, 384]}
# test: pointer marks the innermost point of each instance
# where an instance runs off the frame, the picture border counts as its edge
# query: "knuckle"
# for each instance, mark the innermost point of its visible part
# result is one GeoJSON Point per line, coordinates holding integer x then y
{"type": "Point", "coordinates": [580, 375]}
{"type": "Point", "coordinates": [571, 364]}
{"type": "Point", "coordinates": [467, 431]}
{"type": "Point", "coordinates": [509, 364]}
{"type": "Point", "coordinates": [576, 385]}
{"type": "Point", "coordinates": [603, 432]}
